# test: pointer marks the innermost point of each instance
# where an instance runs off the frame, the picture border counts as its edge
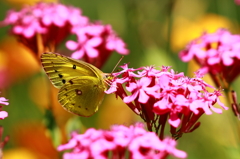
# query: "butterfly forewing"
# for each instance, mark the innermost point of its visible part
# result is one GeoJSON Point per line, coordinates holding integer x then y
{"type": "Point", "coordinates": [82, 95]}
{"type": "Point", "coordinates": [81, 84]}
{"type": "Point", "coordinates": [60, 69]}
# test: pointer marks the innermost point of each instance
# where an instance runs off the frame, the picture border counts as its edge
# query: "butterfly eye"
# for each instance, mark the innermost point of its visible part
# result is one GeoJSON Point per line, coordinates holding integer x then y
{"type": "Point", "coordinates": [108, 76]}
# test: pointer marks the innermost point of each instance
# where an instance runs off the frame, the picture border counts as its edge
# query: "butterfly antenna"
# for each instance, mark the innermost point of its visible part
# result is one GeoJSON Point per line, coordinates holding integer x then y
{"type": "Point", "coordinates": [117, 63]}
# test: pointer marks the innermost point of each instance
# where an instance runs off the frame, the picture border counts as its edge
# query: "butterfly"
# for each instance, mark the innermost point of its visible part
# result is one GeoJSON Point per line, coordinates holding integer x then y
{"type": "Point", "coordinates": [81, 85]}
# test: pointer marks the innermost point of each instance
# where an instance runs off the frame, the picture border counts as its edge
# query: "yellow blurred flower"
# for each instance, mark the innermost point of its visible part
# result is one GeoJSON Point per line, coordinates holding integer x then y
{"type": "Point", "coordinates": [114, 111]}
{"type": "Point", "coordinates": [185, 30]}
{"type": "Point", "coordinates": [19, 153]}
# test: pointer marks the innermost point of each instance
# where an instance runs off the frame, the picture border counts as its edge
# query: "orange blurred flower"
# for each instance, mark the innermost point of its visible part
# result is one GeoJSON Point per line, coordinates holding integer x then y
{"type": "Point", "coordinates": [16, 62]}
{"type": "Point", "coordinates": [33, 139]}
{"type": "Point", "coordinates": [19, 3]}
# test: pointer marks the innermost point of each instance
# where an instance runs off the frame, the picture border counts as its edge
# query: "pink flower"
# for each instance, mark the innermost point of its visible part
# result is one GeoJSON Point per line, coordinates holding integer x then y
{"type": "Point", "coordinates": [237, 2]}
{"type": "Point", "coordinates": [159, 96]}
{"type": "Point", "coordinates": [88, 39]}
{"type": "Point", "coordinates": [95, 42]}
{"type": "Point", "coordinates": [217, 54]}
{"type": "Point", "coordinates": [141, 88]}
{"type": "Point", "coordinates": [117, 141]}
{"type": "Point", "coordinates": [146, 146]}
{"type": "Point", "coordinates": [52, 21]}
{"type": "Point", "coordinates": [3, 114]}
{"type": "Point", "coordinates": [43, 26]}
{"type": "Point", "coordinates": [115, 43]}
{"type": "Point", "coordinates": [170, 148]}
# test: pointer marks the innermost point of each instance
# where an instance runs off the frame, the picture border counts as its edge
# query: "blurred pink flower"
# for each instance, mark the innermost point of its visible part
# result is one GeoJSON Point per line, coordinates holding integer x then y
{"type": "Point", "coordinates": [160, 96]}
{"type": "Point", "coordinates": [43, 26]}
{"type": "Point", "coordinates": [95, 43]}
{"type": "Point", "coordinates": [217, 54]}
{"type": "Point", "coordinates": [237, 2]}
{"type": "Point", "coordinates": [117, 141]}
{"type": "Point", "coordinates": [3, 114]}
{"type": "Point", "coordinates": [53, 21]}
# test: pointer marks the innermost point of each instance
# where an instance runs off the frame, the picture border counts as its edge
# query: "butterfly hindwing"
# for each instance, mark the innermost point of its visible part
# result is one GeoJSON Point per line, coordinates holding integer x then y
{"type": "Point", "coordinates": [82, 95]}
{"type": "Point", "coordinates": [60, 69]}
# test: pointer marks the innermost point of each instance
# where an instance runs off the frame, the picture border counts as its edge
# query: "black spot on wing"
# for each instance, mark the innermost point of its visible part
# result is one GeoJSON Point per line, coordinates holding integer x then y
{"type": "Point", "coordinates": [63, 81]}
{"type": "Point", "coordinates": [61, 76]}
{"type": "Point", "coordinates": [71, 82]}
{"type": "Point", "coordinates": [74, 66]}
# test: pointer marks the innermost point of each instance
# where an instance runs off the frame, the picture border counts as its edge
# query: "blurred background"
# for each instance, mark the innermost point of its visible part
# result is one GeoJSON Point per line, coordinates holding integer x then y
{"type": "Point", "coordinates": [154, 31]}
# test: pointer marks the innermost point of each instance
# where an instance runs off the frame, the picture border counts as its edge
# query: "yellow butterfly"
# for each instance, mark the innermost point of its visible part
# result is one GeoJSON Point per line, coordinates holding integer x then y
{"type": "Point", "coordinates": [81, 84]}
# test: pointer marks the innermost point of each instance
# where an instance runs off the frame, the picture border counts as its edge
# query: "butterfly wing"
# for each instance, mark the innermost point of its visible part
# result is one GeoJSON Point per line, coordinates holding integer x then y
{"type": "Point", "coordinates": [82, 95]}
{"type": "Point", "coordinates": [60, 69]}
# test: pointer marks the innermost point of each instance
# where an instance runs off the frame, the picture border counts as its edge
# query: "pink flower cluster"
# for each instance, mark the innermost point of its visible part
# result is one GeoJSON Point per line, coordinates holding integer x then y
{"type": "Point", "coordinates": [217, 54]}
{"type": "Point", "coordinates": [46, 25]}
{"type": "Point", "coordinates": [119, 141]}
{"type": "Point", "coordinates": [3, 114]}
{"type": "Point", "coordinates": [53, 21]}
{"type": "Point", "coordinates": [95, 42]}
{"type": "Point", "coordinates": [158, 96]}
